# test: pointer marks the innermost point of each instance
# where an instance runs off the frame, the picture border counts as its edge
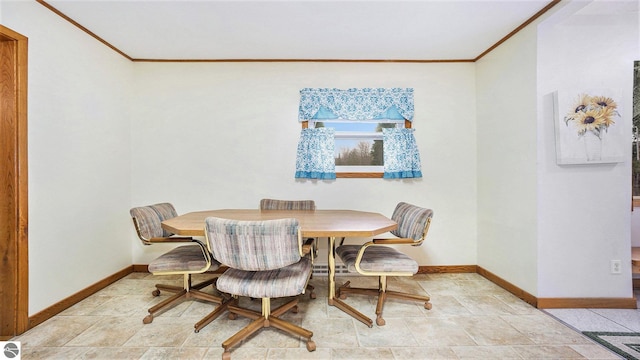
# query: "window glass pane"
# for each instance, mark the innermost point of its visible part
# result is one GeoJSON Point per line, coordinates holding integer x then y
{"type": "Point", "coordinates": [359, 149]}
{"type": "Point", "coordinates": [358, 152]}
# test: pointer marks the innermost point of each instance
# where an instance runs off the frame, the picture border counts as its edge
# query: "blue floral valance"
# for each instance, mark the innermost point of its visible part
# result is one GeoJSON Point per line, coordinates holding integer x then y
{"type": "Point", "coordinates": [356, 104]}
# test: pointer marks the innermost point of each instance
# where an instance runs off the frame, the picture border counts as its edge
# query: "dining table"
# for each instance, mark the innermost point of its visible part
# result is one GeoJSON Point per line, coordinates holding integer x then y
{"type": "Point", "coordinates": [313, 224]}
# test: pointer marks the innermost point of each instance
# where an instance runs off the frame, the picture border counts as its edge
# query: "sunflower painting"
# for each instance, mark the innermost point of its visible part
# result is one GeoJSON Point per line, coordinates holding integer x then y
{"type": "Point", "coordinates": [586, 129]}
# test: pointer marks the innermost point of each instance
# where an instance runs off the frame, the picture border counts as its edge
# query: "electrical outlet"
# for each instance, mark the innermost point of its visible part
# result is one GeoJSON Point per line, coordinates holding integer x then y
{"type": "Point", "coordinates": [616, 266]}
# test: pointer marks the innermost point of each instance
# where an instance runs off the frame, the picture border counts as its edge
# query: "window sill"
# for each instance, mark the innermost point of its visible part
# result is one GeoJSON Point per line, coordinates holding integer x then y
{"type": "Point", "coordinates": [367, 175]}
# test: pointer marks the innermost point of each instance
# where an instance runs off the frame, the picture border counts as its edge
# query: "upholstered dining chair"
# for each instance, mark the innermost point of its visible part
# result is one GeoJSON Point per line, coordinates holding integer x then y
{"type": "Point", "coordinates": [265, 261]}
{"type": "Point", "coordinates": [184, 260]}
{"type": "Point", "coordinates": [310, 246]}
{"type": "Point", "coordinates": [375, 258]}
{"type": "Point", "coordinates": [274, 204]}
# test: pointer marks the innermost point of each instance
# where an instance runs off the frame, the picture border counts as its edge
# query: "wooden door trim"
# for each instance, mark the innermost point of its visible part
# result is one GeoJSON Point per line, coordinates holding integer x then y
{"type": "Point", "coordinates": [14, 272]}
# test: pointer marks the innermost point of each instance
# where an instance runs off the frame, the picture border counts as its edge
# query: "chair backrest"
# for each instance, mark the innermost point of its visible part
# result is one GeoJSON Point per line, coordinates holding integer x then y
{"type": "Point", "coordinates": [273, 204]}
{"type": "Point", "coordinates": [413, 221]}
{"type": "Point", "coordinates": [147, 220]}
{"type": "Point", "coordinates": [254, 245]}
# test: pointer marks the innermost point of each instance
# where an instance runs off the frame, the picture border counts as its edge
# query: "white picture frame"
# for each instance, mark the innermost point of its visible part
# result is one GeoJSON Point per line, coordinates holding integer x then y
{"type": "Point", "coordinates": [588, 127]}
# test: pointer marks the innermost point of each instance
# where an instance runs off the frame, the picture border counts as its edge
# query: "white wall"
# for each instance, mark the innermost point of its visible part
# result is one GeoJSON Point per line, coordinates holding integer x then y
{"type": "Point", "coordinates": [224, 135]}
{"type": "Point", "coordinates": [584, 211]}
{"type": "Point", "coordinates": [79, 151]}
{"type": "Point", "coordinates": [506, 125]}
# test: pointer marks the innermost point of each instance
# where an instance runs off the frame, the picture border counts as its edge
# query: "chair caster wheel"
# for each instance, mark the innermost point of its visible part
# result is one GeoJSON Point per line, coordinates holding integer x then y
{"type": "Point", "coordinates": [155, 292]}
{"type": "Point", "coordinates": [342, 296]}
{"type": "Point", "coordinates": [294, 309]}
{"type": "Point", "coordinates": [147, 319]}
{"type": "Point", "coordinates": [226, 355]}
{"type": "Point", "coordinates": [232, 316]}
{"type": "Point", "coordinates": [427, 306]}
{"type": "Point", "coordinates": [311, 345]}
{"type": "Point", "coordinates": [312, 295]}
{"type": "Point", "coordinates": [380, 321]}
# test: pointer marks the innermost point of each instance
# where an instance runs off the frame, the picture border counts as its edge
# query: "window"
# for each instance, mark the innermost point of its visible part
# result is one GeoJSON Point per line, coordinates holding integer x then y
{"type": "Point", "coordinates": [358, 144]}
{"type": "Point", "coordinates": [357, 133]}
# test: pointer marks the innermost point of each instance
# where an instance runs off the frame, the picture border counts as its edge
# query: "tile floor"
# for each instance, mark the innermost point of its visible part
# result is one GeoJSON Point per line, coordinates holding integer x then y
{"type": "Point", "coordinates": [471, 318]}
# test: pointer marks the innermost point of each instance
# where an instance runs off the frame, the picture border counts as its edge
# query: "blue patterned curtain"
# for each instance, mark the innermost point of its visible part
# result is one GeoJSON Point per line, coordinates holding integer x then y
{"type": "Point", "coordinates": [401, 157]}
{"type": "Point", "coordinates": [316, 159]}
{"type": "Point", "coordinates": [356, 104]}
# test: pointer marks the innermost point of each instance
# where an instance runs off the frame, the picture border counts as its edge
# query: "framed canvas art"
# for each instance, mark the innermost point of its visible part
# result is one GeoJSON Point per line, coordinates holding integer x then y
{"type": "Point", "coordinates": [588, 127]}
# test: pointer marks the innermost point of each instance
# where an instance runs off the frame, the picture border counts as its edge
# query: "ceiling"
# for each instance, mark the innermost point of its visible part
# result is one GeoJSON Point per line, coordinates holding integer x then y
{"type": "Point", "coordinates": [417, 30]}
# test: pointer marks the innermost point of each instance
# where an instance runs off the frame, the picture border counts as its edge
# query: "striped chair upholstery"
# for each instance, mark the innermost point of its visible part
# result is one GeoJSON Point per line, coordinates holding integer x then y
{"type": "Point", "coordinates": [273, 204]}
{"type": "Point", "coordinates": [150, 218]}
{"type": "Point", "coordinates": [376, 258]}
{"type": "Point", "coordinates": [254, 245]}
{"type": "Point", "coordinates": [412, 221]}
{"type": "Point", "coordinates": [184, 260]}
{"type": "Point", "coordinates": [311, 244]}
{"type": "Point", "coordinates": [265, 261]}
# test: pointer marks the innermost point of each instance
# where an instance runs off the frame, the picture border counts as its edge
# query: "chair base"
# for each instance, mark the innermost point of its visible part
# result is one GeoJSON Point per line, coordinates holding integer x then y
{"type": "Point", "coordinates": [382, 293]}
{"type": "Point", "coordinates": [268, 318]}
{"type": "Point", "coordinates": [176, 289]}
{"type": "Point", "coordinates": [188, 291]}
{"type": "Point", "coordinates": [311, 289]}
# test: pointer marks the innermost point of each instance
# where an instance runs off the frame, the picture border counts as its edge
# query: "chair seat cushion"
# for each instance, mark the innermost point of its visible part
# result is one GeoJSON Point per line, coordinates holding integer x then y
{"type": "Point", "coordinates": [182, 259]}
{"type": "Point", "coordinates": [377, 259]}
{"type": "Point", "coordinates": [287, 281]}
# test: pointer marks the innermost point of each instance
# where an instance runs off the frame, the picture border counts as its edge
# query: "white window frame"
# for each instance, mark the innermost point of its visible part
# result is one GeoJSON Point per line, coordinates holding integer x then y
{"type": "Point", "coordinates": [355, 170]}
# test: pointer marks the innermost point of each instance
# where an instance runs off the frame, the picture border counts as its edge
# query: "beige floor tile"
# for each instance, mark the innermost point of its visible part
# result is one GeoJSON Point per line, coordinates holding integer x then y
{"type": "Point", "coordinates": [364, 304]}
{"type": "Point", "coordinates": [484, 305]}
{"type": "Point", "coordinates": [298, 354]}
{"type": "Point", "coordinates": [547, 352]}
{"type": "Point", "coordinates": [362, 353]}
{"type": "Point", "coordinates": [48, 352]}
{"type": "Point", "coordinates": [57, 331]}
{"type": "Point", "coordinates": [163, 332]}
{"type": "Point", "coordinates": [542, 329]}
{"type": "Point", "coordinates": [128, 286]}
{"type": "Point", "coordinates": [216, 332]}
{"type": "Point", "coordinates": [110, 353]}
{"type": "Point", "coordinates": [333, 332]}
{"type": "Point", "coordinates": [171, 353]}
{"type": "Point", "coordinates": [443, 286]}
{"type": "Point", "coordinates": [492, 330]}
{"type": "Point", "coordinates": [438, 332]}
{"type": "Point", "coordinates": [445, 306]}
{"type": "Point", "coordinates": [87, 306]}
{"type": "Point", "coordinates": [109, 332]}
{"type": "Point", "coordinates": [421, 353]}
{"type": "Point", "coordinates": [516, 304]}
{"type": "Point", "coordinates": [486, 352]}
{"type": "Point", "coordinates": [394, 334]}
{"type": "Point", "coordinates": [240, 353]}
{"type": "Point", "coordinates": [125, 305]}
